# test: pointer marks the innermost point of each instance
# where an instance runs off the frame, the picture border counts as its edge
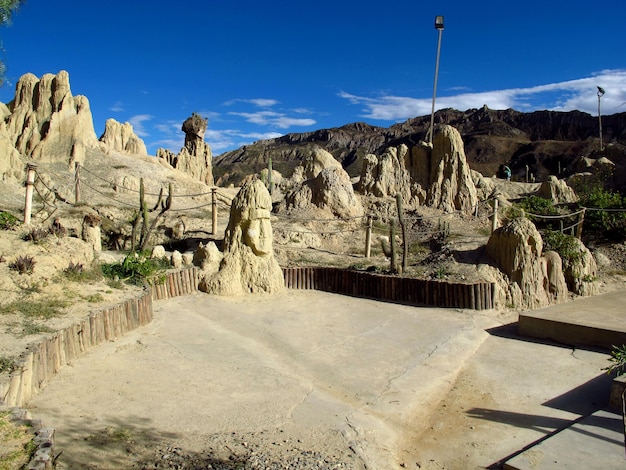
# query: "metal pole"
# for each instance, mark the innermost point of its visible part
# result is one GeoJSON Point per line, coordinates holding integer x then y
{"type": "Point", "coordinates": [432, 112]}
{"type": "Point", "coordinates": [600, 95]}
{"type": "Point", "coordinates": [600, 120]}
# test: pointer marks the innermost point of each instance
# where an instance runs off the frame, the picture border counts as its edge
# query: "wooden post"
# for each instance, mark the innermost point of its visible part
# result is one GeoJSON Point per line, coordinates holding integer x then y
{"type": "Point", "coordinates": [494, 220]}
{"type": "Point", "coordinates": [77, 184]}
{"type": "Point", "coordinates": [405, 246]}
{"type": "Point", "coordinates": [579, 227]}
{"type": "Point", "coordinates": [214, 211]}
{"type": "Point", "coordinates": [30, 186]}
{"type": "Point", "coordinates": [368, 237]}
{"type": "Point", "coordinates": [270, 185]}
{"type": "Point", "coordinates": [392, 243]}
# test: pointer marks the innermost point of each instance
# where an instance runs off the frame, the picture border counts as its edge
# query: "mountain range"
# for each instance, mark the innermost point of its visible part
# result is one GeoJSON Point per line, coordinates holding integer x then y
{"type": "Point", "coordinates": [539, 143]}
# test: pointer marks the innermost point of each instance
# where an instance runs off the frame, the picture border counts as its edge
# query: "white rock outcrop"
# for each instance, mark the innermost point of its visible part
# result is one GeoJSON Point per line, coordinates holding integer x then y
{"type": "Point", "coordinates": [122, 138]}
{"type": "Point", "coordinates": [46, 123]}
{"type": "Point", "coordinates": [248, 265]}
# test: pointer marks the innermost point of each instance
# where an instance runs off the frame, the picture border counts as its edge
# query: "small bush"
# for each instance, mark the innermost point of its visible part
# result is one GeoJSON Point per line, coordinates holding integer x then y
{"type": "Point", "coordinates": [8, 221]}
{"type": "Point", "coordinates": [136, 269]}
{"type": "Point", "coordinates": [23, 265]}
{"type": "Point", "coordinates": [565, 245]}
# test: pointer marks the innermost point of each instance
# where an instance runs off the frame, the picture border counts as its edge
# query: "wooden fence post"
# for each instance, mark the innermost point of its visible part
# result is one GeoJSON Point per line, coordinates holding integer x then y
{"type": "Point", "coordinates": [30, 185]}
{"type": "Point", "coordinates": [368, 237]}
{"type": "Point", "coordinates": [213, 211]}
{"type": "Point", "coordinates": [392, 243]}
{"type": "Point", "coordinates": [405, 246]}
{"type": "Point", "coordinates": [579, 227]}
{"type": "Point", "coordinates": [494, 220]}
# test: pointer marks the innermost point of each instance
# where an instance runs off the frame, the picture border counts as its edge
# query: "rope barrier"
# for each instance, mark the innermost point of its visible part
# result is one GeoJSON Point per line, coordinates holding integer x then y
{"type": "Point", "coordinates": [137, 191]}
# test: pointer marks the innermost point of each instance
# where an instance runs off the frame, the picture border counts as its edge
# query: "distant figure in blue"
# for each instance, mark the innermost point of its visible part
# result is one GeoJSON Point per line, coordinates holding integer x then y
{"type": "Point", "coordinates": [507, 173]}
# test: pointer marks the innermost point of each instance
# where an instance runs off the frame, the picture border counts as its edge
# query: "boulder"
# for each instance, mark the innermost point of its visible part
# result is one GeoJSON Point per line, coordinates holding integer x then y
{"type": "Point", "coordinates": [322, 183]}
{"type": "Point", "coordinates": [248, 265]}
{"type": "Point", "coordinates": [557, 191]}
{"type": "Point", "coordinates": [516, 248]}
{"type": "Point", "coordinates": [122, 138]}
{"type": "Point", "coordinates": [581, 270]}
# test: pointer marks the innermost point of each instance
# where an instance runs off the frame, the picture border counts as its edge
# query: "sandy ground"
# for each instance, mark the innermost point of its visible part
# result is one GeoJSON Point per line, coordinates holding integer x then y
{"type": "Point", "coordinates": [356, 383]}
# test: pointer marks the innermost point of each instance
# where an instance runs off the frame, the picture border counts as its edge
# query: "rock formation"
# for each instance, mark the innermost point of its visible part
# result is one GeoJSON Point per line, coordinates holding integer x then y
{"type": "Point", "coordinates": [195, 158]}
{"type": "Point", "coordinates": [580, 271]}
{"type": "Point", "coordinates": [386, 176]}
{"type": "Point", "coordinates": [122, 138]}
{"type": "Point", "coordinates": [535, 281]}
{"type": "Point", "coordinates": [557, 191]}
{"type": "Point", "coordinates": [248, 265]}
{"type": "Point", "coordinates": [322, 182]}
{"type": "Point", "coordinates": [46, 122]}
{"type": "Point", "coordinates": [438, 177]}
{"type": "Point", "coordinates": [450, 181]}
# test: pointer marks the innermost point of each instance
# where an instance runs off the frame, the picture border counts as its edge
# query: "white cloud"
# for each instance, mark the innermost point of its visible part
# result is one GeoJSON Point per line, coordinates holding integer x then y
{"type": "Point", "coordinates": [260, 102]}
{"type": "Point", "coordinates": [137, 122]}
{"type": "Point", "coordinates": [117, 107]}
{"type": "Point", "coordinates": [271, 118]}
{"type": "Point", "coordinates": [580, 94]}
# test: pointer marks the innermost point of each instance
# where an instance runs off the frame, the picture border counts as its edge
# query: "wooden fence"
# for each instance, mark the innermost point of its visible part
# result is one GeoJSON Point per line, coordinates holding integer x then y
{"type": "Point", "coordinates": [475, 296]}
{"type": "Point", "coordinates": [177, 283]}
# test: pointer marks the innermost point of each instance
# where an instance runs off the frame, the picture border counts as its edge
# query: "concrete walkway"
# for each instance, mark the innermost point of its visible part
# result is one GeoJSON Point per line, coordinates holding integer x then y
{"type": "Point", "coordinates": [378, 385]}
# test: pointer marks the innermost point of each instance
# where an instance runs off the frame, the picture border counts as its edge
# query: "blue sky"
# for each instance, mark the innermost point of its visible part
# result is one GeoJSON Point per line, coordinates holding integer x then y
{"type": "Point", "coordinates": [258, 70]}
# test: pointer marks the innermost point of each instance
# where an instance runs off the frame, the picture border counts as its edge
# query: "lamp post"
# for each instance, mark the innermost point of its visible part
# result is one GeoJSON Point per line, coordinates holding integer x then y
{"type": "Point", "coordinates": [438, 27]}
{"type": "Point", "coordinates": [600, 95]}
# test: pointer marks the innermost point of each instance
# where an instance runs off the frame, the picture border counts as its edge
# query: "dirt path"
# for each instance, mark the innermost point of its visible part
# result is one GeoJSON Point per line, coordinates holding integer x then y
{"type": "Point", "coordinates": [308, 377]}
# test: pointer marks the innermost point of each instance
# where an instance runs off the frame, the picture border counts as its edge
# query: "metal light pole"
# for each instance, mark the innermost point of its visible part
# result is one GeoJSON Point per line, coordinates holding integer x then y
{"type": "Point", "coordinates": [600, 95]}
{"type": "Point", "coordinates": [438, 27]}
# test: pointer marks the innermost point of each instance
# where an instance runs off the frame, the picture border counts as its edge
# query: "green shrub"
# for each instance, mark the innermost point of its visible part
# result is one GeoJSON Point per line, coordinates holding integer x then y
{"type": "Point", "coordinates": [538, 205]}
{"type": "Point", "coordinates": [609, 223]}
{"type": "Point", "coordinates": [136, 269]}
{"type": "Point", "coordinates": [8, 221]}
{"type": "Point", "coordinates": [566, 246]}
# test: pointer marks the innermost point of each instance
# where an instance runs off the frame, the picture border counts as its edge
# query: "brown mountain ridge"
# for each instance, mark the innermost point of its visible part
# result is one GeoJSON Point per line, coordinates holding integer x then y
{"type": "Point", "coordinates": [547, 142]}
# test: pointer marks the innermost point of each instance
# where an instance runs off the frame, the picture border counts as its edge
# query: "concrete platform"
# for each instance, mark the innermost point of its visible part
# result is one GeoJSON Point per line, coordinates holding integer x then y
{"type": "Point", "coordinates": [598, 321]}
{"type": "Point", "coordinates": [596, 441]}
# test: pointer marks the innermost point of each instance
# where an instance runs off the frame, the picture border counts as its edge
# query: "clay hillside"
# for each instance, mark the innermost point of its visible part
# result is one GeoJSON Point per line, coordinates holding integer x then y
{"type": "Point", "coordinates": [107, 196]}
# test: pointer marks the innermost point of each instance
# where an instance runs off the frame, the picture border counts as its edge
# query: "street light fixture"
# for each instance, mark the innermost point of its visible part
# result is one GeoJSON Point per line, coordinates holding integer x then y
{"type": "Point", "coordinates": [438, 27]}
{"type": "Point", "coordinates": [600, 95]}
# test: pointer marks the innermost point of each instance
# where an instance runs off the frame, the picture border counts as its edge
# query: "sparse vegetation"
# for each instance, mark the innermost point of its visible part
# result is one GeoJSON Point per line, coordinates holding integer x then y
{"type": "Point", "coordinates": [18, 441]}
{"type": "Point", "coordinates": [7, 364]}
{"type": "Point", "coordinates": [8, 221]}
{"type": "Point", "coordinates": [23, 264]}
{"type": "Point", "coordinates": [43, 309]}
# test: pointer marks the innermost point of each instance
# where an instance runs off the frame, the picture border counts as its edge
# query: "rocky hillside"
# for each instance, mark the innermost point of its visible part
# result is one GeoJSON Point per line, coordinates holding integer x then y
{"type": "Point", "coordinates": [548, 142]}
